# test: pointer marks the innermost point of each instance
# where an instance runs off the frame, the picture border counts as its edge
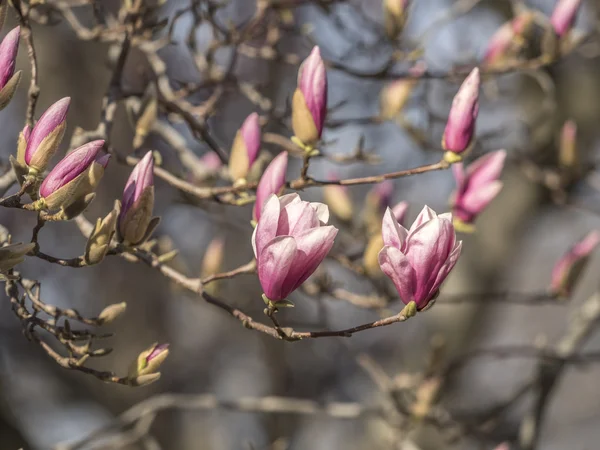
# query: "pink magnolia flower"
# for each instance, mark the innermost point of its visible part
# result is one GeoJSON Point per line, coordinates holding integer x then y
{"type": "Point", "coordinates": [477, 186]}
{"type": "Point", "coordinates": [245, 147]}
{"type": "Point", "coordinates": [563, 16]}
{"type": "Point", "coordinates": [309, 104]}
{"type": "Point", "coordinates": [9, 80]}
{"type": "Point", "coordinates": [271, 182]}
{"type": "Point", "coordinates": [507, 38]}
{"type": "Point", "coordinates": [569, 267]}
{"type": "Point", "coordinates": [291, 239]}
{"type": "Point", "coordinates": [418, 260]}
{"type": "Point", "coordinates": [44, 139]}
{"type": "Point", "coordinates": [463, 114]}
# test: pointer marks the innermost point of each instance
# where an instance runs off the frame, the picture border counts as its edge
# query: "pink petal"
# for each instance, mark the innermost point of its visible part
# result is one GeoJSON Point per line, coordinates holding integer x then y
{"type": "Point", "coordinates": [266, 229]}
{"type": "Point", "coordinates": [396, 266]}
{"type": "Point", "coordinates": [425, 215]}
{"type": "Point", "coordinates": [447, 267]}
{"type": "Point", "coordinates": [271, 182]}
{"type": "Point", "coordinates": [400, 211]}
{"type": "Point", "coordinates": [296, 218]}
{"type": "Point", "coordinates": [322, 211]}
{"type": "Point", "coordinates": [476, 201]}
{"type": "Point", "coordinates": [394, 235]}
{"type": "Point", "coordinates": [486, 169]}
{"type": "Point", "coordinates": [313, 246]}
{"type": "Point", "coordinates": [274, 264]}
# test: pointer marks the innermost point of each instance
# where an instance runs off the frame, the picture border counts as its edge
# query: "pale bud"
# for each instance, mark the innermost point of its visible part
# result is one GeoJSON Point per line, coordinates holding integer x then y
{"type": "Point", "coordinates": [394, 14]}
{"type": "Point", "coordinates": [246, 146]}
{"type": "Point", "coordinates": [567, 152]}
{"type": "Point", "coordinates": [13, 254]}
{"type": "Point", "coordinates": [393, 97]}
{"type": "Point", "coordinates": [112, 312]}
{"type": "Point", "coordinates": [98, 243]}
{"type": "Point", "coordinates": [149, 361]}
{"type": "Point", "coordinates": [9, 80]}
{"type": "Point", "coordinates": [145, 122]}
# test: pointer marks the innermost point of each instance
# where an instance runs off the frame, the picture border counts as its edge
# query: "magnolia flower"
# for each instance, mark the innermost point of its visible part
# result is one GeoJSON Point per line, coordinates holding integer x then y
{"type": "Point", "coordinates": [135, 220]}
{"type": "Point", "coordinates": [9, 80]}
{"type": "Point", "coordinates": [271, 182]}
{"type": "Point", "coordinates": [418, 260]}
{"type": "Point", "coordinates": [74, 177]}
{"type": "Point", "coordinates": [476, 188]}
{"type": "Point", "coordinates": [291, 239]}
{"type": "Point", "coordinates": [569, 267]}
{"type": "Point", "coordinates": [44, 139]}
{"type": "Point", "coordinates": [509, 38]}
{"type": "Point", "coordinates": [309, 104]}
{"type": "Point", "coordinates": [13, 254]}
{"type": "Point", "coordinates": [563, 16]}
{"type": "Point", "coordinates": [245, 147]}
{"type": "Point", "coordinates": [144, 369]}
{"type": "Point", "coordinates": [98, 242]}
{"type": "Point", "coordinates": [460, 127]}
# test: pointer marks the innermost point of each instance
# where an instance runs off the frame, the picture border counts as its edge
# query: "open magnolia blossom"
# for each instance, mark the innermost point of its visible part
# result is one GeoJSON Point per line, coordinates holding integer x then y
{"type": "Point", "coordinates": [291, 239]}
{"type": "Point", "coordinates": [418, 260]}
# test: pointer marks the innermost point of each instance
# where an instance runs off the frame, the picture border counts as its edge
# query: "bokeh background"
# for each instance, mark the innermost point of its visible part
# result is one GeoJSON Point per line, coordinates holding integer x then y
{"type": "Point", "coordinates": [518, 239]}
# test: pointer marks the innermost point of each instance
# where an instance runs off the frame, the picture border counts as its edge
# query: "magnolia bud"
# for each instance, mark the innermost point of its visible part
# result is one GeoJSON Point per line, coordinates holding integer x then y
{"type": "Point", "coordinates": [245, 148]}
{"type": "Point", "coordinates": [339, 201]}
{"type": "Point", "coordinates": [46, 135]}
{"type": "Point", "coordinates": [271, 182]}
{"type": "Point", "coordinates": [394, 12]}
{"type": "Point", "coordinates": [212, 263]}
{"type": "Point", "coordinates": [112, 312]}
{"type": "Point", "coordinates": [309, 103]}
{"type": "Point", "coordinates": [98, 243]}
{"type": "Point", "coordinates": [567, 153]}
{"type": "Point", "coordinates": [563, 16]}
{"type": "Point", "coordinates": [393, 97]}
{"type": "Point", "coordinates": [149, 361]}
{"type": "Point", "coordinates": [9, 80]}
{"type": "Point", "coordinates": [74, 178]}
{"type": "Point", "coordinates": [399, 211]}
{"type": "Point", "coordinates": [460, 127]}
{"type": "Point", "coordinates": [135, 220]}
{"type": "Point", "coordinates": [146, 121]}
{"type": "Point", "coordinates": [13, 254]}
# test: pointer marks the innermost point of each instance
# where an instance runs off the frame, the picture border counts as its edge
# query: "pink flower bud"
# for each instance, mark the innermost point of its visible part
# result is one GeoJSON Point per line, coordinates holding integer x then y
{"type": "Point", "coordinates": [563, 16]}
{"type": "Point", "coordinates": [149, 361]}
{"type": "Point", "coordinates": [245, 147]}
{"type": "Point", "coordinates": [463, 114]}
{"type": "Point", "coordinates": [309, 104]}
{"type": "Point", "coordinates": [476, 187]}
{"type": "Point", "coordinates": [569, 267]}
{"type": "Point", "coordinates": [137, 202]}
{"type": "Point", "coordinates": [418, 260]}
{"type": "Point", "coordinates": [399, 211]}
{"type": "Point", "coordinates": [9, 80]}
{"type": "Point", "coordinates": [46, 135]}
{"type": "Point", "coordinates": [82, 167]}
{"type": "Point", "coordinates": [211, 161]}
{"type": "Point", "coordinates": [271, 182]}
{"type": "Point", "coordinates": [508, 39]}
{"type": "Point", "coordinates": [291, 239]}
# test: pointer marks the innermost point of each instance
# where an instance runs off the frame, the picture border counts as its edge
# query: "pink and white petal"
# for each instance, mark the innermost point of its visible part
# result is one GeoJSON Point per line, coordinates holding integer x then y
{"type": "Point", "coordinates": [394, 235]}
{"type": "Point", "coordinates": [459, 174]}
{"type": "Point", "coordinates": [296, 218]}
{"type": "Point", "coordinates": [447, 267]}
{"type": "Point", "coordinates": [487, 168]}
{"type": "Point", "coordinates": [287, 199]}
{"type": "Point", "coordinates": [266, 228]}
{"type": "Point", "coordinates": [400, 211]}
{"type": "Point", "coordinates": [322, 212]}
{"type": "Point", "coordinates": [424, 216]}
{"type": "Point", "coordinates": [476, 200]}
{"type": "Point", "coordinates": [313, 246]}
{"type": "Point", "coordinates": [397, 267]}
{"type": "Point", "coordinates": [274, 265]}
{"type": "Point", "coordinates": [446, 216]}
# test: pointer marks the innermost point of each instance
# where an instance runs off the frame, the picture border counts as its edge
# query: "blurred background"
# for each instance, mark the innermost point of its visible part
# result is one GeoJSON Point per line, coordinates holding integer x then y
{"type": "Point", "coordinates": [518, 240]}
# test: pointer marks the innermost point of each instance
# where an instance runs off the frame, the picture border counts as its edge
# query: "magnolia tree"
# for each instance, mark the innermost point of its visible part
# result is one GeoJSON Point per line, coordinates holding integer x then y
{"type": "Point", "coordinates": [311, 240]}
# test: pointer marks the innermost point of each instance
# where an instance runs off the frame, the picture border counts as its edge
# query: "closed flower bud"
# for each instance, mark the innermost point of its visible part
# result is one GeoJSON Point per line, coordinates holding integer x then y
{"type": "Point", "coordinates": [245, 148]}
{"type": "Point", "coordinates": [394, 96]}
{"type": "Point", "coordinates": [22, 144]}
{"type": "Point", "coordinates": [290, 240]}
{"type": "Point", "coordinates": [508, 40]}
{"type": "Point", "coordinates": [563, 16]}
{"type": "Point", "coordinates": [338, 199]}
{"type": "Point", "coordinates": [476, 188]}
{"type": "Point", "coordinates": [145, 122]}
{"type": "Point", "coordinates": [271, 182]}
{"type": "Point", "coordinates": [309, 104]}
{"type": "Point", "coordinates": [135, 220]}
{"type": "Point", "coordinates": [394, 14]}
{"type": "Point", "coordinates": [9, 80]}
{"type": "Point", "coordinates": [460, 127]}
{"type": "Point", "coordinates": [74, 177]}
{"type": "Point", "coordinates": [98, 243]}
{"type": "Point", "coordinates": [211, 161]}
{"type": "Point", "coordinates": [569, 268]}
{"type": "Point", "coordinates": [568, 158]}
{"type": "Point", "coordinates": [418, 260]}
{"type": "Point", "coordinates": [46, 136]}
{"type": "Point", "coordinates": [149, 361]}
{"type": "Point", "coordinates": [13, 254]}
{"type": "Point", "coordinates": [112, 312]}
{"type": "Point", "coordinates": [212, 262]}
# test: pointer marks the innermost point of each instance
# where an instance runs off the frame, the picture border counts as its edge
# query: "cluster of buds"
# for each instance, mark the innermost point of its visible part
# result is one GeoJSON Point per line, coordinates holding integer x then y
{"type": "Point", "coordinates": [419, 259]}
{"type": "Point", "coordinates": [290, 241]}
{"type": "Point", "coordinates": [569, 268]}
{"type": "Point", "coordinates": [460, 128]}
{"type": "Point", "coordinates": [563, 16]}
{"type": "Point", "coordinates": [394, 15]}
{"type": "Point", "coordinates": [476, 187]}
{"type": "Point", "coordinates": [271, 182]}
{"type": "Point", "coordinates": [136, 223]}
{"type": "Point", "coordinates": [144, 369]}
{"type": "Point", "coordinates": [212, 263]}
{"type": "Point", "coordinates": [509, 40]}
{"type": "Point", "coordinates": [246, 146]}
{"type": "Point", "coordinates": [309, 103]}
{"type": "Point", "coordinates": [9, 80]}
